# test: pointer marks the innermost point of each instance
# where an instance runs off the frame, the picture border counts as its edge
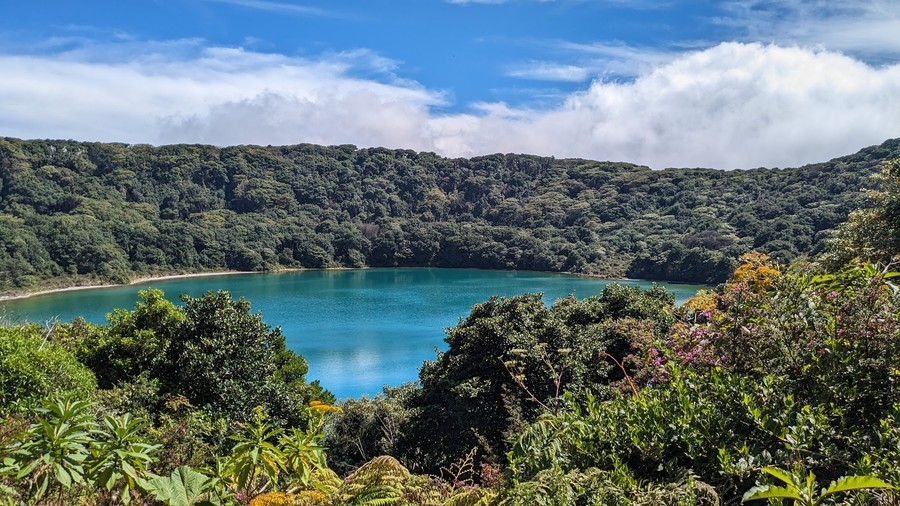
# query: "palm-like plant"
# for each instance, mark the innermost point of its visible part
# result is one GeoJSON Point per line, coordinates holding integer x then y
{"type": "Point", "coordinates": [256, 461]}
{"type": "Point", "coordinates": [51, 458]}
{"type": "Point", "coordinates": [804, 491]}
{"type": "Point", "coordinates": [303, 453]}
{"type": "Point", "coordinates": [120, 457]}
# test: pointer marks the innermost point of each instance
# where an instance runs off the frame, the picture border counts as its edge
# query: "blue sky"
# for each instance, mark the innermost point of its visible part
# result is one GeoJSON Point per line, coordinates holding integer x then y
{"type": "Point", "coordinates": [732, 84]}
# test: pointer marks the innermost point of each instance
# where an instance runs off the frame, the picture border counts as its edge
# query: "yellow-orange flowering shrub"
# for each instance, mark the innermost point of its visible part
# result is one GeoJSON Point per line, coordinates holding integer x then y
{"type": "Point", "coordinates": [302, 498]}
{"type": "Point", "coordinates": [757, 271]}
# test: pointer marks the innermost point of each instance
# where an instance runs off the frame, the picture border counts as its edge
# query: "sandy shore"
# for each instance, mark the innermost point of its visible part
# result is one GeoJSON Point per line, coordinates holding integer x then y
{"type": "Point", "coordinates": [136, 281]}
{"type": "Point", "coordinates": [162, 277]}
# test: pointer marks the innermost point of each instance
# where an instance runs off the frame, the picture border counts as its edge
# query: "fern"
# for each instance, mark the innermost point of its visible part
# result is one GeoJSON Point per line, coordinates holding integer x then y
{"type": "Point", "coordinates": [381, 481]}
{"type": "Point", "coordinates": [552, 487]}
{"type": "Point", "coordinates": [472, 497]}
{"type": "Point", "coordinates": [427, 491]}
{"type": "Point", "coordinates": [380, 470]}
{"type": "Point", "coordinates": [377, 495]}
{"type": "Point", "coordinates": [302, 498]}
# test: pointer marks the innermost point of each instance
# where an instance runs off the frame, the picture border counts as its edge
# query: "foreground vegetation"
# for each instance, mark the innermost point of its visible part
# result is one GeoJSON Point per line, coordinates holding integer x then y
{"type": "Point", "coordinates": [85, 213]}
{"type": "Point", "coordinates": [779, 385]}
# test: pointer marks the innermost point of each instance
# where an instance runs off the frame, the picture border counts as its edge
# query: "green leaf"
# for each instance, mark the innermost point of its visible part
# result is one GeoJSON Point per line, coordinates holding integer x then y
{"type": "Point", "coordinates": [107, 479]}
{"type": "Point", "coordinates": [760, 492]}
{"type": "Point", "coordinates": [28, 469]}
{"type": "Point", "coordinates": [782, 476]}
{"type": "Point", "coordinates": [185, 487]}
{"type": "Point", "coordinates": [63, 477]}
{"type": "Point", "coordinates": [848, 483]}
{"type": "Point", "coordinates": [128, 469]}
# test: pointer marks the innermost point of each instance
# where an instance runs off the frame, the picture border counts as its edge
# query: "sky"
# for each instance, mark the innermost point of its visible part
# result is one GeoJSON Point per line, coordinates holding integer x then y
{"type": "Point", "coordinates": [671, 83]}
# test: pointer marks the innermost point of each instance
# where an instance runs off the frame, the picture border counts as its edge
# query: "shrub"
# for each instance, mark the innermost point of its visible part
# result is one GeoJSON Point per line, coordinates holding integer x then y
{"type": "Point", "coordinates": [33, 367]}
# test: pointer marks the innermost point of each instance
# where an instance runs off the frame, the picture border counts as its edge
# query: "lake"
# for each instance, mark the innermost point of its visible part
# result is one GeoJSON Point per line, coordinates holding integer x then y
{"type": "Point", "coordinates": [358, 329]}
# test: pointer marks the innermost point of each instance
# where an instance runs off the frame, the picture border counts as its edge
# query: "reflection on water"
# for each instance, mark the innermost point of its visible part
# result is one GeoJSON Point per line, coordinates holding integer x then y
{"type": "Point", "coordinates": [358, 329]}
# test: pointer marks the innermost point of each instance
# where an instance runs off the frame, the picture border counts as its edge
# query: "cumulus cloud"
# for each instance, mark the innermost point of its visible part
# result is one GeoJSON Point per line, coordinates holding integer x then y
{"type": "Point", "coordinates": [221, 96]}
{"type": "Point", "coordinates": [731, 106]}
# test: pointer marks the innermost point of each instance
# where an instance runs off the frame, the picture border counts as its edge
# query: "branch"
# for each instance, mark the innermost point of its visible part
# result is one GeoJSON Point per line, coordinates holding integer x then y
{"type": "Point", "coordinates": [622, 367]}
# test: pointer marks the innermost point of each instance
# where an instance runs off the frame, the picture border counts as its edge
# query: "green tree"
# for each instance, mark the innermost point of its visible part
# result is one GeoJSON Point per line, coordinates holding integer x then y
{"type": "Point", "coordinates": [511, 359]}
{"type": "Point", "coordinates": [873, 233]}
{"type": "Point", "coordinates": [369, 427]}
{"type": "Point", "coordinates": [227, 361]}
{"type": "Point", "coordinates": [131, 343]}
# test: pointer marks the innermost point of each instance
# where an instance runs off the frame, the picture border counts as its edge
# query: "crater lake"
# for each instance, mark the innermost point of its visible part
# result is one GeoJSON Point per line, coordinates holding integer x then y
{"type": "Point", "coordinates": [358, 329]}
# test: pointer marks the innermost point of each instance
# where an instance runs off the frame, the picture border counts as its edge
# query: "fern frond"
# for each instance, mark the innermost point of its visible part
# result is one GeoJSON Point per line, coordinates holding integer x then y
{"type": "Point", "coordinates": [377, 495]}
{"type": "Point", "coordinates": [380, 470]}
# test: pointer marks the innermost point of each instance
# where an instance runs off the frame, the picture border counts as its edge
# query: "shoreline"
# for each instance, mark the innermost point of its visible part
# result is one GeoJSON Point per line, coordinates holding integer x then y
{"type": "Point", "coordinates": [164, 277]}
{"type": "Point", "coordinates": [161, 277]}
{"type": "Point", "coordinates": [136, 281]}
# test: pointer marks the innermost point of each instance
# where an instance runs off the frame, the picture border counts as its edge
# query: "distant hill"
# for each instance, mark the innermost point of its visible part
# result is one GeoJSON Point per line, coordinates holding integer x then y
{"type": "Point", "coordinates": [76, 213]}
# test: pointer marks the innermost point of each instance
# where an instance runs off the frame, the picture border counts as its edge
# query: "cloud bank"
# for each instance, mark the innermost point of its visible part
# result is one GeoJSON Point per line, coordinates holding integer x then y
{"type": "Point", "coordinates": [734, 105]}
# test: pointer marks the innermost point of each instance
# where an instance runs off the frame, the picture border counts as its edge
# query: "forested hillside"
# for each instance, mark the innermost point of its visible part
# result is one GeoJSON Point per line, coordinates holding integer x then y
{"type": "Point", "coordinates": [73, 212]}
{"type": "Point", "coordinates": [776, 387]}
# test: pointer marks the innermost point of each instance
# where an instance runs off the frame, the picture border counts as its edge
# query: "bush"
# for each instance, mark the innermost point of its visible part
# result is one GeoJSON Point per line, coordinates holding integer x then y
{"type": "Point", "coordinates": [227, 361]}
{"type": "Point", "coordinates": [512, 358]}
{"type": "Point", "coordinates": [33, 367]}
{"type": "Point", "coordinates": [131, 343]}
{"type": "Point", "coordinates": [369, 427]}
{"type": "Point", "coordinates": [788, 370]}
{"type": "Point", "coordinates": [217, 354]}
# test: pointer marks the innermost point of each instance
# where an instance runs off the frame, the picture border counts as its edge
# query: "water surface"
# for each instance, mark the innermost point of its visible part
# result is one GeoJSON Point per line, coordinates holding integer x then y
{"type": "Point", "coordinates": [358, 329]}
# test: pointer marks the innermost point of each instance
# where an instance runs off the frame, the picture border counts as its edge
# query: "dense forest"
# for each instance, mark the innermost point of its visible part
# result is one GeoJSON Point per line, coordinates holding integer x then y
{"type": "Point", "coordinates": [619, 399]}
{"type": "Point", "coordinates": [779, 386]}
{"type": "Point", "coordinates": [78, 213]}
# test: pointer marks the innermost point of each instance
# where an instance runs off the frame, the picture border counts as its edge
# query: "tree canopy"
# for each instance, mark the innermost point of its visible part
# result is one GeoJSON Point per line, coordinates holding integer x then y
{"type": "Point", "coordinates": [779, 385]}
{"type": "Point", "coordinates": [74, 212]}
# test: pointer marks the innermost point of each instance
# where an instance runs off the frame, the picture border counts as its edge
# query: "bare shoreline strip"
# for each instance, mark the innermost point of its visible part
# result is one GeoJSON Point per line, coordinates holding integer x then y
{"type": "Point", "coordinates": [164, 277]}
{"type": "Point", "coordinates": [136, 281]}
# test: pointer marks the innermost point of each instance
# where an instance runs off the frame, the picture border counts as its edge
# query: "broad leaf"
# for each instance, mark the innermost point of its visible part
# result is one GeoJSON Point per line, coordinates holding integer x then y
{"type": "Point", "coordinates": [782, 476]}
{"type": "Point", "coordinates": [771, 492]}
{"type": "Point", "coordinates": [848, 483]}
{"type": "Point", "coordinates": [63, 477]}
{"type": "Point", "coordinates": [185, 487]}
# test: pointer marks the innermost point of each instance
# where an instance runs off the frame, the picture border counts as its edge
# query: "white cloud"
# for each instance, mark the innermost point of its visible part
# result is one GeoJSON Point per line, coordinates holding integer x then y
{"type": "Point", "coordinates": [870, 28]}
{"type": "Point", "coordinates": [221, 95]}
{"type": "Point", "coordinates": [551, 71]}
{"type": "Point", "coordinates": [282, 7]}
{"type": "Point", "coordinates": [733, 105]}
{"type": "Point", "coordinates": [591, 61]}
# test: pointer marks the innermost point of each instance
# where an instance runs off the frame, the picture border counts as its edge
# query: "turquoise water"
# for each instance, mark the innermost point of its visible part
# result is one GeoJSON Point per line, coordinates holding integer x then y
{"type": "Point", "coordinates": [358, 329]}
